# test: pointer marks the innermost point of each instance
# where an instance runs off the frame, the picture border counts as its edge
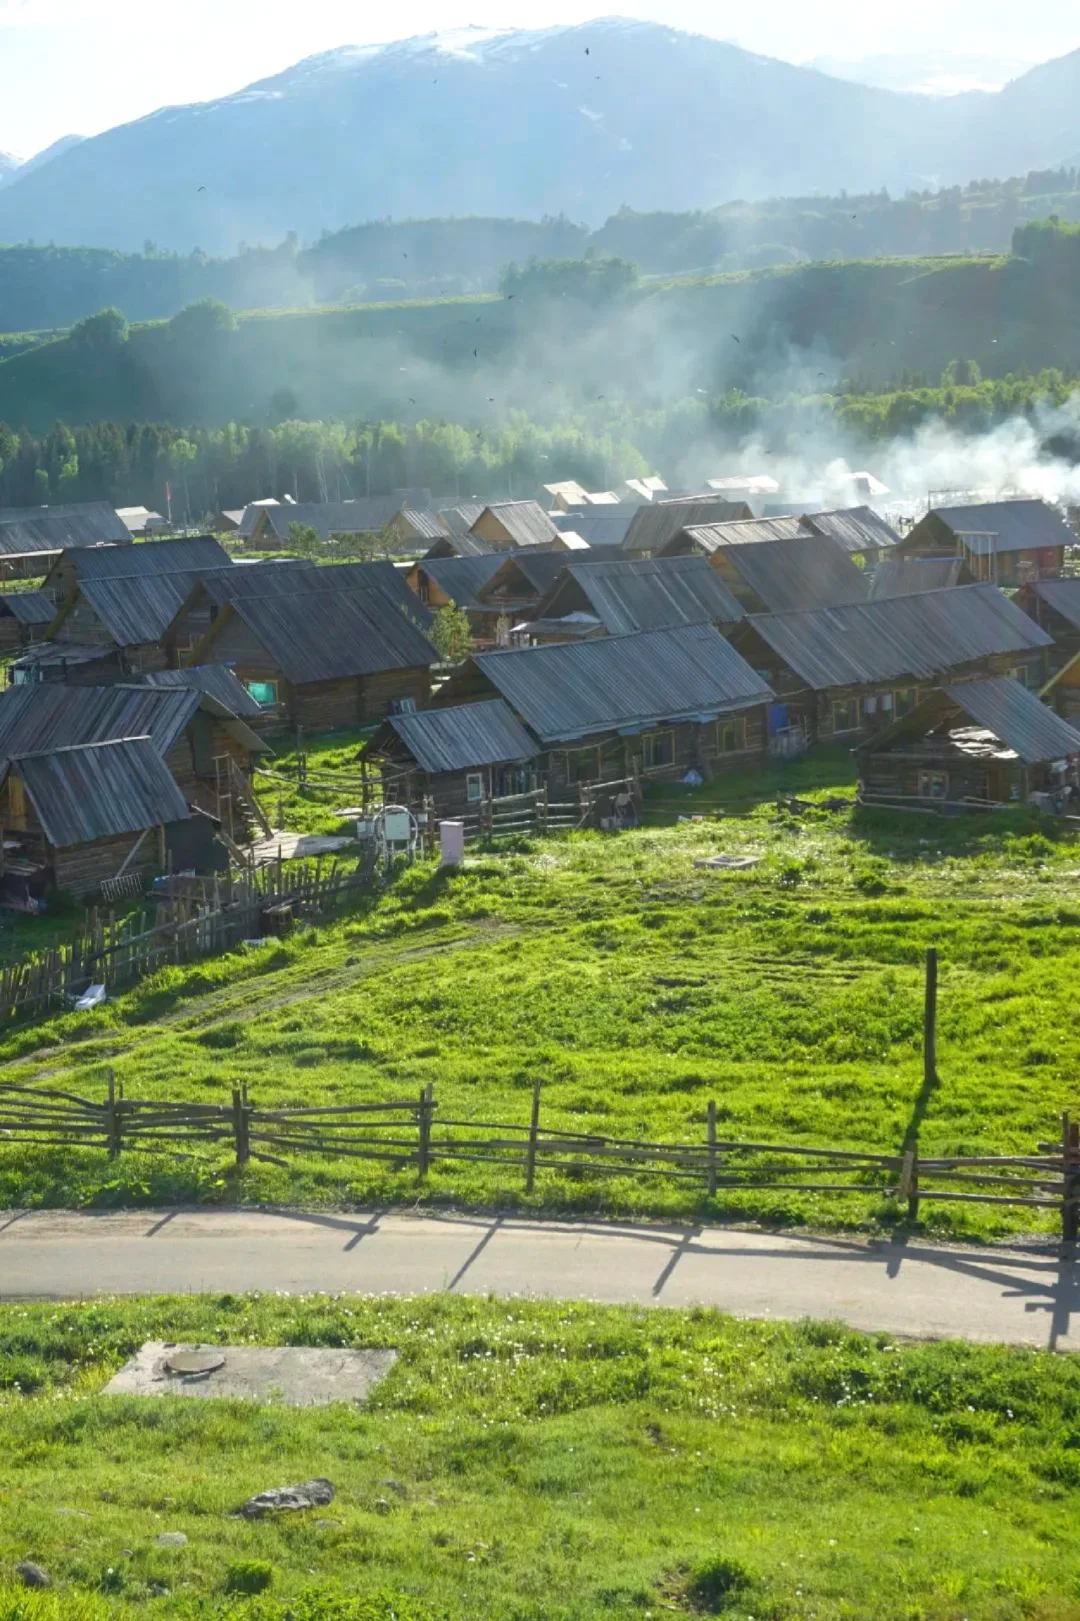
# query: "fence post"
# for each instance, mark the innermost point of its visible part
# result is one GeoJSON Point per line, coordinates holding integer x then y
{"type": "Point", "coordinates": [1070, 1181]}
{"type": "Point", "coordinates": [423, 1153]}
{"type": "Point", "coordinates": [712, 1148]}
{"type": "Point", "coordinates": [534, 1133]}
{"type": "Point", "coordinates": [930, 1020]}
{"type": "Point", "coordinates": [240, 1123]}
{"type": "Point", "coordinates": [113, 1119]}
{"type": "Point", "coordinates": [909, 1180]}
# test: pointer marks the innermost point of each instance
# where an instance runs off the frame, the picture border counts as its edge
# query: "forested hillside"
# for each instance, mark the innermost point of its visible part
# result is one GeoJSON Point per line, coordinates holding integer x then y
{"type": "Point", "coordinates": [50, 286]}
{"type": "Point", "coordinates": [570, 339]}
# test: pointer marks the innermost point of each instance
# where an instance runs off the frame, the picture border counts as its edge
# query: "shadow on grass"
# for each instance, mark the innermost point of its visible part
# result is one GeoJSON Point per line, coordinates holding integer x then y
{"type": "Point", "coordinates": [1024, 834]}
{"type": "Point", "coordinates": [826, 770]}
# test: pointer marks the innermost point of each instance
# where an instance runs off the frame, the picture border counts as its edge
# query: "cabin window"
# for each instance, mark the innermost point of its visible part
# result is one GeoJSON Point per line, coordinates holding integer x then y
{"type": "Point", "coordinates": [474, 787]}
{"type": "Point", "coordinates": [845, 715]}
{"type": "Point", "coordinates": [904, 700]}
{"type": "Point", "coordinates": [658, 750]}
{"type": "Point", "coordinates": [731, 735]}
{"type": "Point", "coordinates": [263, 692]}
{"type": "Point", "coordinates": [583, 765]}
{"type": "Point", "coordinates": [933, 785]}
{"type": "Point", "coordinates": [1019, 672]}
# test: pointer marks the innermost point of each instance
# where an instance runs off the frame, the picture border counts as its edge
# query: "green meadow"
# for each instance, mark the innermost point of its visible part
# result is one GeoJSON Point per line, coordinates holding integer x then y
{"type": "Point", "coordinates": [636, 986]}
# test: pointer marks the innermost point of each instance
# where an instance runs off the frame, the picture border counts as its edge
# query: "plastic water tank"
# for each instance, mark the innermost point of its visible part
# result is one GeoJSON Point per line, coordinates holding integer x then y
{"type": "Point", "coordinates": [452, 843]}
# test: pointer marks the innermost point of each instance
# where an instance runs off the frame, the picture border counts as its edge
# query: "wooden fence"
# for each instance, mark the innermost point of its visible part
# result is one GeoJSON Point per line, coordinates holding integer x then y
{"type": "Point", "coordinates": [196, 919]}
{"type": "Point", "coordinates": [413, 1134]}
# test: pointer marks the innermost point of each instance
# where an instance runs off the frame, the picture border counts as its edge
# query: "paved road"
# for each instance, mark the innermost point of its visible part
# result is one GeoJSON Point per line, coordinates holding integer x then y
{"type": "Point", "coordinates": [1021, 1296]}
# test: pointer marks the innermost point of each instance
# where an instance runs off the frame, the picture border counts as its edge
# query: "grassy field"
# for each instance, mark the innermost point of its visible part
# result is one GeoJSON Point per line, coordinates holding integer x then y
{"type": "Point", "coordinates": [636, 987]}
{"type": "Point", "coordinates": [541, 1460]}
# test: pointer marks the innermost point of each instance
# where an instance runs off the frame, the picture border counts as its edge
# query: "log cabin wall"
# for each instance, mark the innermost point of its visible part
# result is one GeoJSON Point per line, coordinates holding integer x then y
{"type": "Point", "coordinates": [80, 869]}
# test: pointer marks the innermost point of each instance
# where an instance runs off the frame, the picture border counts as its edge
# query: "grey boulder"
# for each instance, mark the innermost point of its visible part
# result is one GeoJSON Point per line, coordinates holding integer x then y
{"type": "Point", "coordinates": [284, 1499]}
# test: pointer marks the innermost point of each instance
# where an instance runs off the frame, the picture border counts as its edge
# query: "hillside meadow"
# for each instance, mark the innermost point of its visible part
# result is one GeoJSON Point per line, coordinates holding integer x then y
{"type": "Point", "coordinates": [525, 1460]}
{"type": "Point", "coordinates": [635, 987]}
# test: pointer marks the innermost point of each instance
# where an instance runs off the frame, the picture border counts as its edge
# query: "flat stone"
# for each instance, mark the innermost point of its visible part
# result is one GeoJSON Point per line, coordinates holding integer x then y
{"type": "Point", "coordinates": [287, 1499]}
{"type": "Point", "coordinates": [298, 1375]}
{"type": "Point", "coordinates": [171, 1539]}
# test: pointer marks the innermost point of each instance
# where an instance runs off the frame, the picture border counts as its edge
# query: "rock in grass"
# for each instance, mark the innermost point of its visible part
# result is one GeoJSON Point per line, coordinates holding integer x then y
{"type": "Point", "coordinates": [32, 1575]}
{"type": "Point", "coordinates": [282, 1499]}
{"type": "Point", "coordinates": [171, 1539]}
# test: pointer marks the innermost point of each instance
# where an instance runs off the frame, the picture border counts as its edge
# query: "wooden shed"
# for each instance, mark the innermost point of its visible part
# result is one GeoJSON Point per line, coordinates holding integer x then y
{"type": "Point", "coordinates": [613, 598]}
{"type": "Point", "coordinates": [973, 743]}
{"type": "Point", "coordinates": [455, 757]}
{"type": "Point", "coordinates": [656, 704]}
{"type": "Point", "coordinates": [1007, 542]}
{"type": "Point", "coordinates": [1055, 605]}
{"type": "Point", "coordinates": [30, 537]}
{"type": "Point", "coordinates": [74, 817]}
{"type": "Point", "coordinates": [651, 527]}
{"type": "Point", "coordinates": [510, 524]}
{"type": "Point", "coordinates": [438, 581]}
{"type": "Point", "coordinates": [268, 528]}
{"type": "Point", "coordinates": [838, 672]}
{"type": "Point", "coordinates": [321, 659]}
{"type": "Point", "coordinates": [24, 618]}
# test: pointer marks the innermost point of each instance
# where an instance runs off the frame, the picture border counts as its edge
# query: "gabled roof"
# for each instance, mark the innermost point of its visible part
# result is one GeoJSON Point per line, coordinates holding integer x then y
{"type": "Point", "coordinates": [525, 522]}
{"type": "Point", "coordinates": [462, 577]}
{"type": "Point", "coordinates": [460, 737]}
{"type": "Point", "coordinates": [382, 579]}
{"type": "Point", "coordinates": [325, 635]}
{"type": "Point", "coordinates": [25, 530]}
{"type": "Point", "coordinates": [459, 544]}
{"type": "Point", "coordinates": [1003, 707]}
{"type": "Point", "coordinates": [249, 517]}
{"type": "Point", "coordinates": [136, 608]}
{"type": "Point", "coordinates": [365, 516]}
{"type": "Point", "coordinates": [183, 553]}
{"type": "Point", "coordinates": [856, 529]}
{"type": "Point", "coordinates": [923, 637]}
{"type": "Point", "coordinates": [213, 681]}
{"type": "Point", "coordinates": [789, 576]}
{"type": "Point", "coordinates": [98, 790]}
{"type": "Point", "coordinates": [629, 594]}
{"type": "Point", "coordinates": [28, 607]}
{"type": "Point", "coordinates": [257, 580]}
{"type": "Point", "coordinates": [1003, 526]}
{"type": "Point", "coordinates": [709, 538]}
{"type": "Point", "coordinates": [570, 690]}
{"type": "Point", "coordinates": [600, 526]}
{"type": "Point", "coordinates": [647, 488]}
{"type": "Point", "coordinates": [902, 576]}
{"type": "Point", "coordinates": [423, 524]}
{"type": "Point", "coordinates": [44, 715]}
{"type": "Point", "coordinates": [459, 519]}
{"type": "Point", "coordinates": [652, 526]}
{"type": "Point", "coordinates": [1063, 596]}
{"type": "Point", "coordinates": [524, 574]}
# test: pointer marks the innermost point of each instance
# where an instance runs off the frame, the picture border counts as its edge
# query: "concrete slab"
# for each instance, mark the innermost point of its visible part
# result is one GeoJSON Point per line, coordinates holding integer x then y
{"type": "Point", "coordinates": [298, 1375]}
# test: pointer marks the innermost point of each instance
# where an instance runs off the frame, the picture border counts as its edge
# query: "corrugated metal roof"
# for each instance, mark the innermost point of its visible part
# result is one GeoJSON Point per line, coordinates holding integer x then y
{"type": "Point", "coordinates": [459, 545]}
{"type": "Point", "coordinates": [923, 636]}
{"type": "Point", "coordinates": [647, 488]}
{"type": "Point", "coordinates": [459, 519]}
{"type": "Point", "coordinates": [183, 553]}
{"type": "Point", "coordinates": [425, 524]}
{"type": "Point", "coordinates": [652, 526]}
{"type": "Point", "coordinates": [525, 574]}
{"type": "Point", "coordinates": [257, 580]}
{"type": "Point", "coordinates": [628, 594]}
{"type": "Point", "coordinates": [45, 715]}
{"type": "Point", "coordinates": [525, 522]}
{"type": "Point", "coordinates": [28, 607]}
{"type": "Point", "coordinates": [463, 736]}
{"type": "Point", "coordinates": [1003, 526]}
{"type": "Point", "coordinates": [903, 576]}
{"type": "Point", "coordinates": [462, 577]}
{"type": "Point", "coordinates": [324, 635]}
{"type": "Point", "coordinates": [99, 790]}
{"type": "Point", "coordinates": [1015, 716]}
{"type": "Point", "coordinates": [752, 532]}
{"type": "Point", "coordinates": [571, 690]}
{"type": "Point", "coordinates": [25, 530]}
{"type": "Point", "coordinates": [856, 529]}
{"type": "Point", "coordinates": [250, 515]}
{"type": "Point", "coordinates": [365, 516]}
{"type": "Point", "coordinates": [64, 653]}
{"type": "Point", "coordinates": [213, 681]}
{"type": "Point", "coordinates": [137, 608]}
{"type": "Point", "coordinates": [1063, 596]}
{"type": "Point", "coordinates": [790, 576]}
{"type": "Point", "coordinates": [600, 526]}
{"type": "Point", "coordinates": [382, 579]}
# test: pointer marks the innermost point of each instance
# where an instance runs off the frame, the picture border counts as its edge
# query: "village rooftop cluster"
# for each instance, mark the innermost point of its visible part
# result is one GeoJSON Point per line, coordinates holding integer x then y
{"type": "Point", "coordinates": [617, 639]}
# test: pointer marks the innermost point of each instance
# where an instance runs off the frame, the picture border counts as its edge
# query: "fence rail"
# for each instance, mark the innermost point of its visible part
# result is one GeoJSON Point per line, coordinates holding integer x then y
{"type": "Point", "coordinates": [410, 1133]}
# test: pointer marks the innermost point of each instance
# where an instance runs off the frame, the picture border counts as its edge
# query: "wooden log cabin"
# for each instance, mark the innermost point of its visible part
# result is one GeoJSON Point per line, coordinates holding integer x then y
{"type": "Point", "coordinates": [840, 672]}
{"type": "Point", "coordinates": [322, 659]}
{"type": "Point", "coordinates": [618, 596]}
{"type": "Point", "coordinates": [206, 742]}
{"type": "Point", "coordinates": [32, 537]}
{"type": "Point", "coordinates": [775, 565]}
{"type": "Point", "coordinates": [511, 525]}
{"type": "Point", "coordinates": [657, 704]}
{"type": "Point", "coordinates": [975, 742]}
{"type": "Point", "coordinates": [24, 618]}
{"type": "Point", "coordinates": [268, 527]}
{"type": "Point", "coordinates": [438, 581]}
{"type": "Point", "coordinates": [180, 554]}
{"type": "Point", "coordinates": [76, 817]}
{"type": "Point", "coordinates": [1055, 605]}
{"type": "Point", "coordinates": [653, 526]}
{"type": "Point", "coordinates": [1007, 542]}
{"type": "Point", "coordinates": [455, 757]}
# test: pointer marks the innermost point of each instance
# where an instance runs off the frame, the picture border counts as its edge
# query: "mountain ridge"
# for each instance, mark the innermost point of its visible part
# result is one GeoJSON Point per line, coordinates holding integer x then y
{"type": "Point", "coordinates": [523, 123]}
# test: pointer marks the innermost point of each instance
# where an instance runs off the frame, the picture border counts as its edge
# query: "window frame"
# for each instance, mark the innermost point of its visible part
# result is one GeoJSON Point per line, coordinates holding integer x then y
{"type": "Point", "coordinates": [737, 725]}
{"type": "Point", "coordinates": [474, 779]}
{"type": "Point", "coordinates": [927, 780]}
{"type": "Point", "coordinates": [648, 740]}
{"type": "Point", "coordinates": [851, 704]}
{"type": "Point", "coordinates": [264, 703]}
{"type": "Point", "coordinates": [900, 708]}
